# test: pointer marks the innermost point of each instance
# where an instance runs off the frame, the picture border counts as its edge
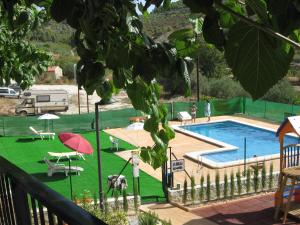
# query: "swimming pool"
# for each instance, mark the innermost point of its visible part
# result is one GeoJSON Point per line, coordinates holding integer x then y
{"type": "Point", "coordinates": [229, 136]}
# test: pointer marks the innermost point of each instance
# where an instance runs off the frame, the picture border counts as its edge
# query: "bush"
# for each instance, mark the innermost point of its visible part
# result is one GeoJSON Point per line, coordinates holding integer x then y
{"type": "Point", "coordinates": [184, 197]}
{"type": "Point", "coordinates": [225, 186]}
{"type": "Point", "coordinates": [263, 177]}
{"type": "Point", "coordinates": [115, 218]}
{"type": "Point", "coordinates": [148, 218]}
{"type": "Point", "coordinates": [232, 184]}
{"type": "Point", "coordinates": [248, 180]}
{"type": "Point", "coordinates": [225, 88]}
{"type": "Point", "coordinates": [208, 187]}
{"type": "Point", "coordinates": [117, 202]}
{"type": "Point", "coordinates": [125, 201]}
{"type": "Point", "coordinates": [218, 185]}
{"type": "Point", "coordinates": [239, 182]}
{"type": "Point", "coordinates": [271, 178]}
{"type": "Point", "coordinates": [255, 178]}
{"type": "Point", "coordinates": [281, 92]}
{"type": "Point", "coordinates": [193, 189]}
{"type": "Point", "coordinates": [201, 192]}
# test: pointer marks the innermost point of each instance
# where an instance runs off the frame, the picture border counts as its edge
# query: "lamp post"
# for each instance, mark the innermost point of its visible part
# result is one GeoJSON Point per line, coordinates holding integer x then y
{"type": "Point", "coordinates": [99, 155]}
{"type": "Point", "coordinates": [75, 79]}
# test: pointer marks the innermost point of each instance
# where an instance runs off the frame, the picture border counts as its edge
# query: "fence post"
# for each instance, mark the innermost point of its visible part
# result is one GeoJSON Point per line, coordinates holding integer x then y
{"type": "Point", "coordinates": [244, 105]}
{"type": "Point", "coordinates": [265, 109]}
{"type": "Point", "coordinates": [21, 206]}
{"type": "Point", "coordinates": [172, 110]}
{"type": "Point", "coordinates": [3, 124]}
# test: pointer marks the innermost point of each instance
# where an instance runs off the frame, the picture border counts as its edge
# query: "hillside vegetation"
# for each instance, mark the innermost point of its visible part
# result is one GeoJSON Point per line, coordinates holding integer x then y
{"type": "Point", "coordinates": [215, 77]}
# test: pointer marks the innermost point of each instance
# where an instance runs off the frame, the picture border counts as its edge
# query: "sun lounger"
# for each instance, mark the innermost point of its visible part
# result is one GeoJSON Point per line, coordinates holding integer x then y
{"type": "Point", "coordinates": [184, 117]}
{"type": "Point", "coordinates": [56, 168]}
{"type": "Point", "coordinates": [42, 134]}
{"type": "Point", "coordinates": [68, 155]}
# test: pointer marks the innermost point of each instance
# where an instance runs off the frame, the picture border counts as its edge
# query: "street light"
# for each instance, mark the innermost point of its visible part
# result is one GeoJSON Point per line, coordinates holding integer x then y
{"type": "Point", "coordinates": [75, 79]}
{"type": "Point", "coordinates": [99, 155]}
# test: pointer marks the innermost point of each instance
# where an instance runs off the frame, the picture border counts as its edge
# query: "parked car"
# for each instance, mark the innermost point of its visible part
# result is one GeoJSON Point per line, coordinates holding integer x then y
{"type": "Point", "coordinates": [16, 87]}
{"type": "Point", "coordinates": [8, 92]}
{"type": "Point", "coordinates": [42, 101]}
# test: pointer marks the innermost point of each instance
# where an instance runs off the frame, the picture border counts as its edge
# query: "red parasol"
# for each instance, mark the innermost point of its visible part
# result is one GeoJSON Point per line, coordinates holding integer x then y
{"type": "Point", "coordinates": [76, 142]}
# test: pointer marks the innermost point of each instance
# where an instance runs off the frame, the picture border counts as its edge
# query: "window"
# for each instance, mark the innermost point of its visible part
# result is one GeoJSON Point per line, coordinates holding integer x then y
{"type": "Point", "coordinates": [43, 98]}
{"type": "Point", "coordinates": [3, 90]}
{"type": "Point", "coordinates": [12, 92]}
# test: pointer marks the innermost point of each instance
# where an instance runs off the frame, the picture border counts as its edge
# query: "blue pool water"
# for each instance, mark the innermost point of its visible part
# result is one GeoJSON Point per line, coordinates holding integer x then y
{"type": "Point", "coordinates": [260, 142]}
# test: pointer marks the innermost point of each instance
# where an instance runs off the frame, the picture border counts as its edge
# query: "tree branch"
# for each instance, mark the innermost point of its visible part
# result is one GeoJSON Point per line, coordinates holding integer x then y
{"type": "Point", "coordinates": [258, 25]}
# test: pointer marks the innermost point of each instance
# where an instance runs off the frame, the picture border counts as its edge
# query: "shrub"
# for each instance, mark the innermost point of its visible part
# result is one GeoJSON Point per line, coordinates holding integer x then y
{"type": "Point", "coordinates": [208, 188]}
{"type": "Point", "coordinates": [116, 218]}
{"type": "Point", "coordinates": [225, 88]}
{"type": "Point", "coordinates": [248, 180]}
{"type": "Point", "coordinates": [218, 185]}
{"type": "Point", "coordinates": [263, 177]}
{"type": "Point", "coordinates": [117, 203]}
{"type": "Point", "coordinates": [232, 184]}
{"type": "Point", "coordinates": [193, 189]}
{"type": "Point", "coordinates": [95, 200]}
{"type": "Point", "coordinates": [225, 186]}
{"type": "Point", "coordinates": [184, 196]}
{"type": "Point", "coordinates": [106, 207]}
{"type": "Point", "coordinates": [271, 177]}
{"type": "Point", "coordinates": [239, 182]}
{"type": "Point", "coordinates": [201, 192]}
{"type": "Point", "coordinates": [148, 218]}
{"type": "Point", "coordinates": [255, 178]}
{"type": "Point", "coordinates": [125, 201]}
{"type": "Point", "coordinates": [282, 92]}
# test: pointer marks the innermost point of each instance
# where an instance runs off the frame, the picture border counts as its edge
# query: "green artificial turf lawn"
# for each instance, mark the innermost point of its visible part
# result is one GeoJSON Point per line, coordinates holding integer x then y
{"type": "Point", "coordinates": [28, 154]}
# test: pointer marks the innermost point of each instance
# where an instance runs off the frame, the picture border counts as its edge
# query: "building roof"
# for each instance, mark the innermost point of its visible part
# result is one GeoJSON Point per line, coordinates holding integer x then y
{"type": "Point", "coordinates": [52, 68]}
{"type": "Point", "coordinates": [290, 124]}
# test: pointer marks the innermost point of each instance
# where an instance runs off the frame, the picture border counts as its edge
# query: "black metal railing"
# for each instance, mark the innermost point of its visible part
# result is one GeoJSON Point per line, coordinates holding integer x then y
{"type": "Point", "coordinates": [24, 200]}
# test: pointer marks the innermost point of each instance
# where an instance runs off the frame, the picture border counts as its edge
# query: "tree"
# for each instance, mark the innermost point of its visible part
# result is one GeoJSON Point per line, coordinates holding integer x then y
{"type": "Point", "coordinates": [19, 60]}
{"type": "Point", "coordinates": [109, 36]}
{"type": "Point", "coordinates": [257, 37]}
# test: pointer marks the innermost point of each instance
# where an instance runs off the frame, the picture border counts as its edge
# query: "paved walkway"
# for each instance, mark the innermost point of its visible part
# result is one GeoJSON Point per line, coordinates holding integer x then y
{"type": "Point", "coordinates": [255, 210]}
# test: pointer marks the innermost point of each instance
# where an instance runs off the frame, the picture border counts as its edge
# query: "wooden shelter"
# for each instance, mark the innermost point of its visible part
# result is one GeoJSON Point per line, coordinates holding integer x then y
{"type": "Point", "coordinates": [290, 125]}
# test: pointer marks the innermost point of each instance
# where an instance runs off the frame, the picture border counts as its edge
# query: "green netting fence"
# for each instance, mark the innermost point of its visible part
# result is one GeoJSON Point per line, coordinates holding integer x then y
{"type": "Point", "coordinates": [16, 125]}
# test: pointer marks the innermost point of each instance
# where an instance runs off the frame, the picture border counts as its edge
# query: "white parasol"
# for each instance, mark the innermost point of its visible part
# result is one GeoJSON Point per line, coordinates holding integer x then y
{"type": "Point", "coordinates": [48, 117]}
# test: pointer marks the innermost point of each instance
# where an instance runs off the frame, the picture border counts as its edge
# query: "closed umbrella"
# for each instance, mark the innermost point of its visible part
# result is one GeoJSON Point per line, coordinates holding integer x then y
{"type": "Point", "coordinates": [48, 117]}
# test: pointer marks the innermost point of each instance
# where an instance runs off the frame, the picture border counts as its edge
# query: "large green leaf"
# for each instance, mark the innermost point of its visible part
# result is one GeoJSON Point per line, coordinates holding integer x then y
{"type": "Point", "coordinates": [181, 34]}
{"type": "Point", "coordinates": [260, 8]}
{"type": "Point", "coordinates": [257, 60]}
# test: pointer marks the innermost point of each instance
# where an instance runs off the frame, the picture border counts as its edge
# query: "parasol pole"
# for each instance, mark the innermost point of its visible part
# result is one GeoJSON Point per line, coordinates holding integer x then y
{"type": "Point", "coordinates": [70, 178]}
{"type": "Point", "coordinates": [99, 155]}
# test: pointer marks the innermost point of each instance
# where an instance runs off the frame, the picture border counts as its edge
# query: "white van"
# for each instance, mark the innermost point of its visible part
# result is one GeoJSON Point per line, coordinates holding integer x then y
{"type": "Point", "coordinates": [8, 92]}
{"type": "Point", "coordinates": [43, 101]}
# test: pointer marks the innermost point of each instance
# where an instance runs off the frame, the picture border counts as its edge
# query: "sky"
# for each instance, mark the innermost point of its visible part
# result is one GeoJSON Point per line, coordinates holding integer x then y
{"type": "Point", "coordinates": [150, 9]}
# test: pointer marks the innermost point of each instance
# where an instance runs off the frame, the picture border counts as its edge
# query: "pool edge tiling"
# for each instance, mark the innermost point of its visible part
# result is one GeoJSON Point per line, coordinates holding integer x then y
{"type": "Point", "coordinates": [221, 146]}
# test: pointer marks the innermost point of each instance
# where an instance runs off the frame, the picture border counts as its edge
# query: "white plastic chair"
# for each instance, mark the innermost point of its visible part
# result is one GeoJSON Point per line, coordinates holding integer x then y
{"type": "Point", "coordinates": [42, 134]}
{"type": "Point", "coordinates": [55, 168]}
{"type": "Point", "coordinates": [114, 143]}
